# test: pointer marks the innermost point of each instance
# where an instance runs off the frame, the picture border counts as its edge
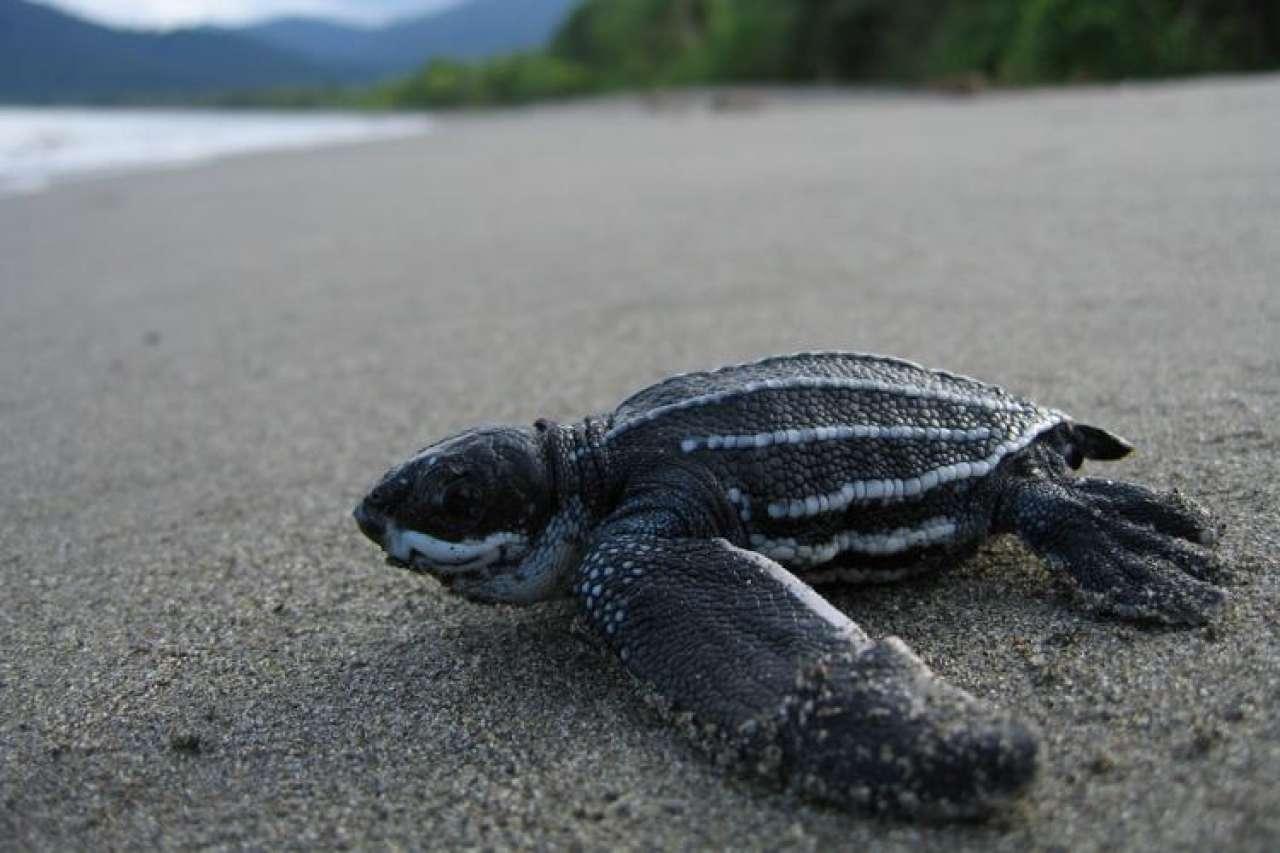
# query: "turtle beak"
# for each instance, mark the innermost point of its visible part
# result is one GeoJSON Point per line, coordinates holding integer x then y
{"type": "Point", "coordinates": [371, 522]}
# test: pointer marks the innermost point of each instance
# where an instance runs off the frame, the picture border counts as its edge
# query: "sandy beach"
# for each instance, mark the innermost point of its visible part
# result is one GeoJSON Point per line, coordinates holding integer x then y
{"type": "Point", "coordinates": [202, 369]}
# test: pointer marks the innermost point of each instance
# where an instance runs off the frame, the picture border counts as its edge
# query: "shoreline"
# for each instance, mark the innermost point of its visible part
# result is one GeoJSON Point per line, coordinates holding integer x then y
{"type": "Point", "coordinates": [44, 146]}
{"type": "Point", "coordinates": [728, 100]}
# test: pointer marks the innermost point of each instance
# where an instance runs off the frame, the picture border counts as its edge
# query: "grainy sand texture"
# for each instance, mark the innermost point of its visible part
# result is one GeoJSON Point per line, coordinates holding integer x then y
{"type": "Point", "coordinates": [202, 369]}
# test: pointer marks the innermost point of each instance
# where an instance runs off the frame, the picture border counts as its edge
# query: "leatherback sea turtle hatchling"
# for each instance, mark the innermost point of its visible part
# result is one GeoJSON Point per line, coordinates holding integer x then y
{"type": "Point", "coordinates": [691, 523]}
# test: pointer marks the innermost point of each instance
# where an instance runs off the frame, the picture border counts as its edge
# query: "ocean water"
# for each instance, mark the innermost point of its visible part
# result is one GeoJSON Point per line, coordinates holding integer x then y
{"type": "Point", "coordinates": [41, 145]}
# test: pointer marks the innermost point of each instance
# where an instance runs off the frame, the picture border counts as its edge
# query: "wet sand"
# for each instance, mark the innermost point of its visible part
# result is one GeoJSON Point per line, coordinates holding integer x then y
{"type": "Point", "coordinates": [201, 370]}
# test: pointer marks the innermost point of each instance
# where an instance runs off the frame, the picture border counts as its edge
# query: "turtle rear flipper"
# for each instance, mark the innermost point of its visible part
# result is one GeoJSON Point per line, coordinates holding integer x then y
{"type": "Point", "coordinates": [773, 677]}
{"type": "Point", "coordinates": [1132, 552]}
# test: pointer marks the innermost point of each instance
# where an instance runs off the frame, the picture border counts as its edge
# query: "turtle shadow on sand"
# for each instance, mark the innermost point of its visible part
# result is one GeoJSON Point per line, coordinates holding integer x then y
{"type": "Point", "coordinates": [473, 656]}
{"type": "Point", "coordinates": [473, 676]}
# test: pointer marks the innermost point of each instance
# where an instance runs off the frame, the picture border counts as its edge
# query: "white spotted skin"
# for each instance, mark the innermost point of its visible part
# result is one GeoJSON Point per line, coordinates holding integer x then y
{"type": "Point", "coordinates": [590, 589]}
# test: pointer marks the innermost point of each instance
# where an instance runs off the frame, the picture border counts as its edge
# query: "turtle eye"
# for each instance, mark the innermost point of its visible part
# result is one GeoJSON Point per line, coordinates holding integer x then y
{"type": "Point", "coordinates": [458, 504]}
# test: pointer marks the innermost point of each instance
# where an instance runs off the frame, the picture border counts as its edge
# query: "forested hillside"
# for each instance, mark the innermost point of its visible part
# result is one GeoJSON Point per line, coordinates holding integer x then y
{"type": "Point", "coordinates": [610, 44]}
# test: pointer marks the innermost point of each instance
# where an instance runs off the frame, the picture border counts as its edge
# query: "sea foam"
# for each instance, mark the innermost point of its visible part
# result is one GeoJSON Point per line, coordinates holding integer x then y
{"type": "Point", "coordinates": [41, 145]}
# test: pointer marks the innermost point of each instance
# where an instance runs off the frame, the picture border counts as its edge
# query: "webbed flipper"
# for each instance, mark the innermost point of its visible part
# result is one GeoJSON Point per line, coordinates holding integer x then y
{"type": "Point", "coordinates": [1133, 552]}
{"type": "Point", "coordinates": [1168, 512]}
{"type": "Point", "coordinates": [775, 678]}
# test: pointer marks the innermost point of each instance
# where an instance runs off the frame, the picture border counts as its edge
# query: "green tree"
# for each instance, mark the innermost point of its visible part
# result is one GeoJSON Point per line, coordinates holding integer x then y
{"type": "Point", "coordinates": [612, 44]}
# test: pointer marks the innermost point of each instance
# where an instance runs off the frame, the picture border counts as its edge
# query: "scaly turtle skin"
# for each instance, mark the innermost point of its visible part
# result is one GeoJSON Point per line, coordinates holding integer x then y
{"type": "Point", "coordinates": [690, 523]}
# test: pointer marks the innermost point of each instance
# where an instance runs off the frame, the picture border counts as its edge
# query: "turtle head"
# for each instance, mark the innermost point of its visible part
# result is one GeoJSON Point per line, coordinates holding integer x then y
{"type": "Point", "coordinates": [471, 511]}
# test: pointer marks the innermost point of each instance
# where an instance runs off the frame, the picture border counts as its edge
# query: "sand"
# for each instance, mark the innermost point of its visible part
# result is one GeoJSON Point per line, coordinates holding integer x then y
{"type": "Point", "coordinates": [202, 369]}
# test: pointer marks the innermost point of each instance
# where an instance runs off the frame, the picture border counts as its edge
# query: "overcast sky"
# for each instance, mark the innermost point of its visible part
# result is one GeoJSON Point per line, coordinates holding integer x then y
{"type": "Point", "coordinates": [170, 13]}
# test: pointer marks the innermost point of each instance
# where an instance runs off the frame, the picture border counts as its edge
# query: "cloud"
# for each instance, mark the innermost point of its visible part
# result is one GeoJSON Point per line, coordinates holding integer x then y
{"type": "Point", "coordinates": [174, 13]}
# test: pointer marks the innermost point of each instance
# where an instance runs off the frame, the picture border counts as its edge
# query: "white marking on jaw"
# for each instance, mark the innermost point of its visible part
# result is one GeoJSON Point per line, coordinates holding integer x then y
{"type": "Point", "coordinates": [823, 382]}
{"type": "Point", "coordinates": [840, 432]}
{"type": "Point", "coordinates": [933, 531]}
{"type": "Point", "coordinates": [451, 557]}
{"type": "Point", "coordinates": [804, 594]}
{"type": "Point", "coordinates": [892, 490]}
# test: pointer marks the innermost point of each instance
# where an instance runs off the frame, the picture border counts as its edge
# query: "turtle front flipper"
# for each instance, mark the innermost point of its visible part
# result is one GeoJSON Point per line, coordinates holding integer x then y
{"type": "Point", "coordinates": [771, 676]}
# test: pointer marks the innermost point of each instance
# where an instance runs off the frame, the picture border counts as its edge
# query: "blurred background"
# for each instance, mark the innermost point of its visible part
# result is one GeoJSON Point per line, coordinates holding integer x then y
{"type": "Point", "coordinates": [381, 55]}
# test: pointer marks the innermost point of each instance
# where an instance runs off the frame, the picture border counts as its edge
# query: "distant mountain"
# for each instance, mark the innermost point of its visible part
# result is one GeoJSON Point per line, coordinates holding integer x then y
{"type": "Point", "coordinates": [473, 29]}
{"type": "Point", "coordinates": [318, 39]}
{"type": "Point", "coordinates": [46, 55]}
